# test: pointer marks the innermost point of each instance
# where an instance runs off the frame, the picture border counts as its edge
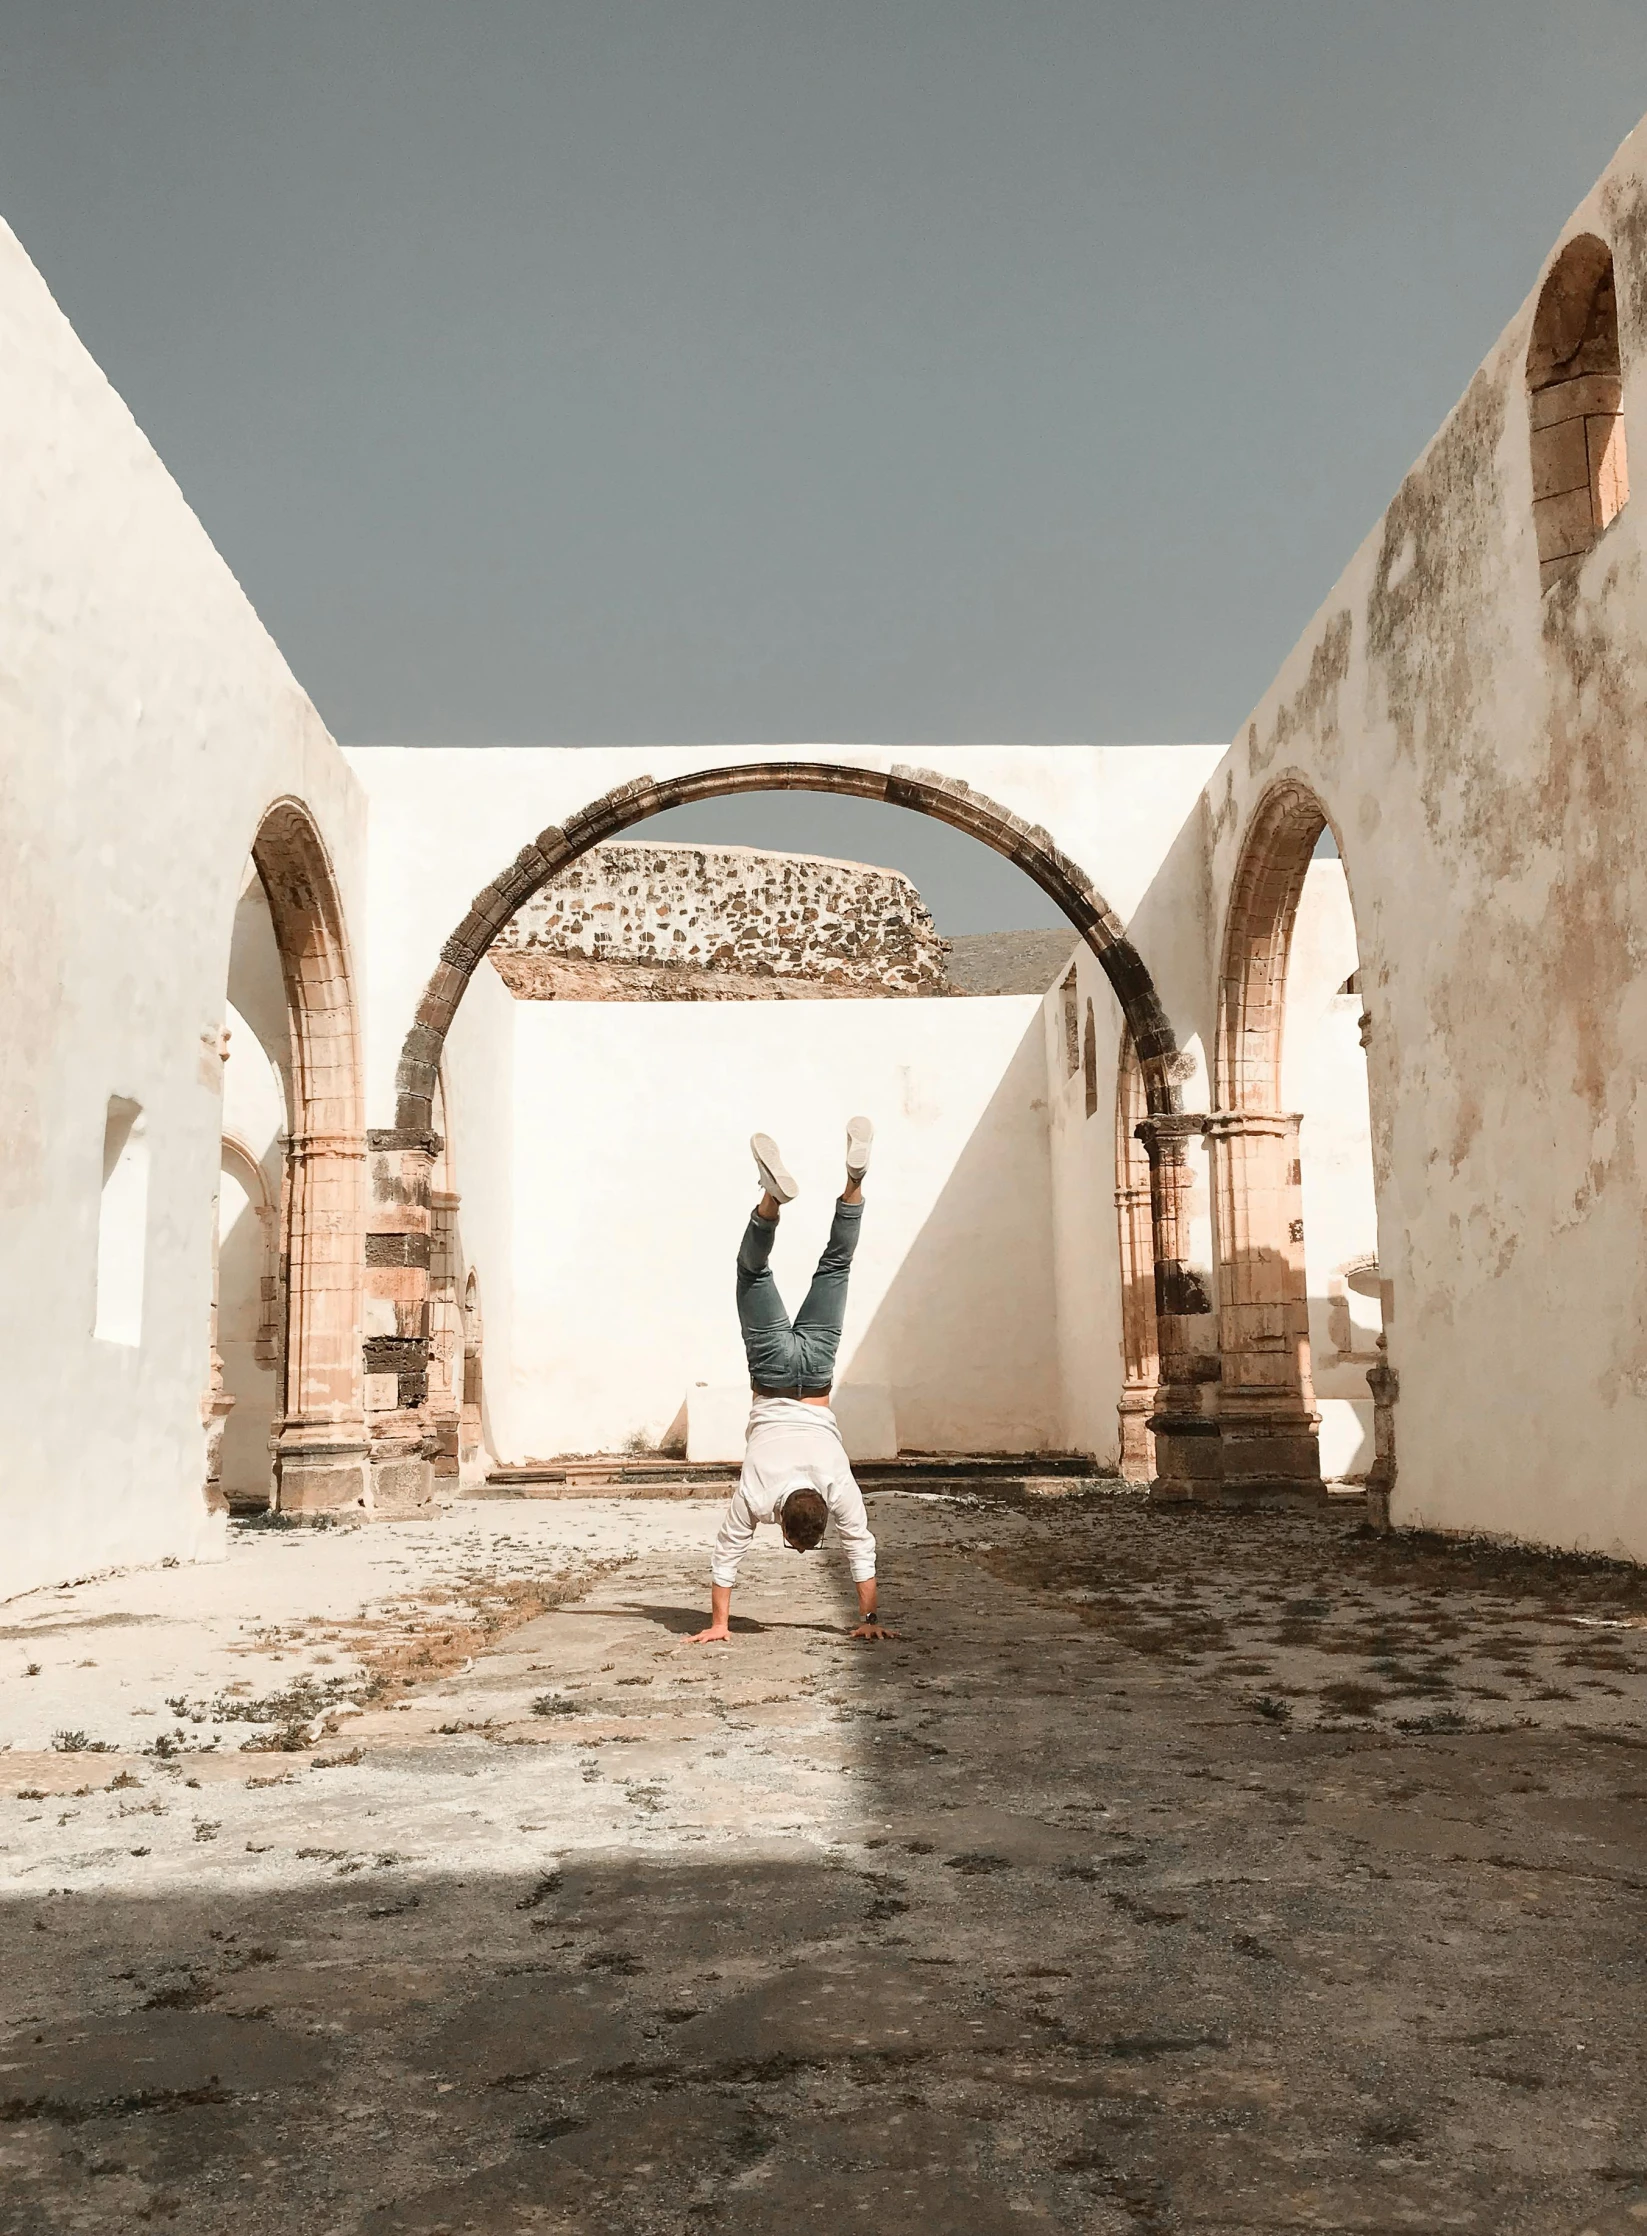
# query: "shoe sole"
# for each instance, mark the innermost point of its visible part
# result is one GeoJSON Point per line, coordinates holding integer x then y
{"type": "Point", "coordinates": [770, 1165]}
{"type": "Point", "coordinates": [860, 1139]}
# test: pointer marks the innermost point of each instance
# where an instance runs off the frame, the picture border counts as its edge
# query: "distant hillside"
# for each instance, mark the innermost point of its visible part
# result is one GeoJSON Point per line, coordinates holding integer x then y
{"type": "Point", "coordinates": [1009, 962]}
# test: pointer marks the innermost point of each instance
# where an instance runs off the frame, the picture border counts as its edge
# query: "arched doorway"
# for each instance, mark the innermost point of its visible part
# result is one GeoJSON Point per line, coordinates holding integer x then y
{"type": "Point", "coordinates": [320, 1440]}
{"type": "Point", "coordinates": [1273, 1281]}
{"type": "Point", "coordinates": [404, 1156]}
{"type": "Point", "coordinates": [249, 1302]}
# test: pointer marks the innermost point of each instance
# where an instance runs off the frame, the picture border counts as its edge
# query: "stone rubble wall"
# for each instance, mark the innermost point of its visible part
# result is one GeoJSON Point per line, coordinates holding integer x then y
{"type": "Point", "coordinates": [732, 909]}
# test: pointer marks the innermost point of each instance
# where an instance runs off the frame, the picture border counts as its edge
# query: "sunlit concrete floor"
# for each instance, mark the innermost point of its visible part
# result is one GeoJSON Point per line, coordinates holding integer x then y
{"type": "Point", "coordinates": [1212, 1872]}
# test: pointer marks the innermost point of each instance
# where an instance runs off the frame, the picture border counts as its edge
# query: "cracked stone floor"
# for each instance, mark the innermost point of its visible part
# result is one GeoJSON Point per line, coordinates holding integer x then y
{"type": "Point", "coordinates": [1207, 1872]}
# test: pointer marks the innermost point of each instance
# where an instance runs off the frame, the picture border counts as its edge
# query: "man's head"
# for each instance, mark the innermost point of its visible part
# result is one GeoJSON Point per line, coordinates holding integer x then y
{"type": "Point", "coordinates": [803, 1519]}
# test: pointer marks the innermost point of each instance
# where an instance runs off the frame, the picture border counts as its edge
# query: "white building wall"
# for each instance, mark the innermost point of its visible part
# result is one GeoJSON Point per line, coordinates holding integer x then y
{"type": "Point", "coordinates": [1086, 1260]}
{"type": "Point", "coordinates": [149, 721]}
{"type": "Point", "coordinates": [633, 1180]}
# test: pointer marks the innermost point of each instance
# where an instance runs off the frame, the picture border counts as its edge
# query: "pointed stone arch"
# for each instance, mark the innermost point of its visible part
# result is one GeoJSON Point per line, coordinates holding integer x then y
{"type": "Point", "coordinates": [1267, 1415]}
{"type": "Point", "coordinates": [1575, 407]}
{"type": "Point", "coordinates": [321, 1462]}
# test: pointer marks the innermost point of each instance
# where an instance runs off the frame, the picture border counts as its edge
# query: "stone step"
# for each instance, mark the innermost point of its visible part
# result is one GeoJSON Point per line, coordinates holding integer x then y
{"type": "Point", "coordinates": [619, 1475]}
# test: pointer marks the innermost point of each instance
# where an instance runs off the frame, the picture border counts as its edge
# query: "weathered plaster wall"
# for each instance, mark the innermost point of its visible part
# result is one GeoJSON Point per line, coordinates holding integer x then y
{"type": "Point", "coordinates": [149, 721]}
{"type": "Point", "coordinates": [632, 1182]}
{"type": "Point", "coordinates": [737, 908]}
{"type": "Point", "coordinates": [1478, 746]}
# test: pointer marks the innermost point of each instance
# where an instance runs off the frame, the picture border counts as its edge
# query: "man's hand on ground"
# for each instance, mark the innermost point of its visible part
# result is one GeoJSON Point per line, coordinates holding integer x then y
{"type": "Point", "coordinates": [719, 1632]}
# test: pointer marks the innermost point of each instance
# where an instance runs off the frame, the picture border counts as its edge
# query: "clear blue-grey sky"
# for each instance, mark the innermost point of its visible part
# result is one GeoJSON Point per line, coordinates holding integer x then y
{"type": "Point", "coordinates": [684, 370]}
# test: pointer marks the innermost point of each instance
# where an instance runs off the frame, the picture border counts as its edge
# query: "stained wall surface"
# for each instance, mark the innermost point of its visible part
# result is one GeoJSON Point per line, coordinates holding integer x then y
{"type": "Point", "coordinates": [1479, 741]}
{"type": "Point", "coordinates": [149, 723]}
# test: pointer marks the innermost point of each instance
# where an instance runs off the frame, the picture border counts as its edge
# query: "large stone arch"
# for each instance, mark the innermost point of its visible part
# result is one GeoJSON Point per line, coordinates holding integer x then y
{"type": "Point", "coordinates": [321, 1447]}
{"type": "Point", "coordinates": [404, 1154]}
{"type": "Point", "coordinates": [945, 798]}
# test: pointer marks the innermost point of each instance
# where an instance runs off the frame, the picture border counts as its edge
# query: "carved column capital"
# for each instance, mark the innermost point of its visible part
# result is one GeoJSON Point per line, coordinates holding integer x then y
{"type": "Point", "coordinates": [1167, 1135]}
{"type": "Point", "coordinates": [1251, 1125]}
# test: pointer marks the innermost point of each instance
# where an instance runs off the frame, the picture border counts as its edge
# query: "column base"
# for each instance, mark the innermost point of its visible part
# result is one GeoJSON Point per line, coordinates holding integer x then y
{"type": "Point", "coordinates": [317, 1481]}
{"type": "Point", "coordinates": [446, 1460]}
{"type": "Point", "coordinates": [1137, 1445]}
{"type": "Point", "coordinates": [1272, 1456]}
{"type": "Point", "coordinates": [1188, 1459]}
{"type": "Point", "coordinates": [215, 1408]}
{"type": "Point", "coordinates": [403, 1471]}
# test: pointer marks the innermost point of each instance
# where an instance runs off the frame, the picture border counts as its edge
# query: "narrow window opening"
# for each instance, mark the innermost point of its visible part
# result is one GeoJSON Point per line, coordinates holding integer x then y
{"type": "Point", "coordinates": [1072, 1028]}
{"type": "Point", "coordinates": [1089, 1064]}
{"type": "Point", "coordinates": [122, 1225]}
{"type": "Point", "coordinates": [1575, 399]}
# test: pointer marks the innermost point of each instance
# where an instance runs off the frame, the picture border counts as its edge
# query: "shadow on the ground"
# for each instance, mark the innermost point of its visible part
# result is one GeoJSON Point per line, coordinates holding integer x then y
{"type": "Point", "coordinates": [684, 1621]}
{"type": "Point", "coordinates": [1105, 1944]}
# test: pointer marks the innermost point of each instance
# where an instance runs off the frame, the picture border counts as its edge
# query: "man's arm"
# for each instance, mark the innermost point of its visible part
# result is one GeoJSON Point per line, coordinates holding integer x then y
{"type": "Point", "coordinates": [867, 1626]}
{"type": "Point", "coordinates": [719, 1632]}
{"type": "Point", "coordinates": [736, 1530]}
{"type": "Point", "coordinates": [858, 1544]}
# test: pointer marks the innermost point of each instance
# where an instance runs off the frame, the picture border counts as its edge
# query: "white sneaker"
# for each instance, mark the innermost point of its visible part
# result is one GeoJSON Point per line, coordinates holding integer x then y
{"type": "Point", "coordinates": [774, 1177]}
{"type": "Point", "coordinates": [860, 1139]}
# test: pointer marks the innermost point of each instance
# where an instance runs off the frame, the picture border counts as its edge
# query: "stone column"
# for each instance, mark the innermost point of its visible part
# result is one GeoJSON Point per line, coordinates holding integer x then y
{"type": "Point", "coordinates": [215, 1407]}
{"type": "Point", "coordinates": [1385, 1386]}
{"type": "Point", "coordinates": [1140, 1364]}
{"type": "Point", "coordinates": [404, 1439]}
{"type": "Point", "coordinates": [216, 1404]}
{"type": "Point", "coordinates": [1266, 1407]}
{"type": "Point", "coordinates": [445, 1338]}
{"type": "Point", "coordinates": [320, 1452]}
{"type": "Point", "coordinates": [1186, 1437]}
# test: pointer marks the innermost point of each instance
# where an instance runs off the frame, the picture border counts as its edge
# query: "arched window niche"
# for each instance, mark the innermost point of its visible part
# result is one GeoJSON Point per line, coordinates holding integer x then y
{"type": "Point", "coordinates": [1575, 395]}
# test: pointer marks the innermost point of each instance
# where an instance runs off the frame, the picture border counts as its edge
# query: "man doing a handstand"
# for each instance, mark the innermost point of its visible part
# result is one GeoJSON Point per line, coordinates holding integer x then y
{"type": "Point", "coordinates": [795, 1468]}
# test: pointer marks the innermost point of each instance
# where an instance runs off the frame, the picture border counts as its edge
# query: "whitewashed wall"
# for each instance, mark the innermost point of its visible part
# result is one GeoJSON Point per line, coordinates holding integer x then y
{"type": "Point", "coordinates": [148, 723]}
{"type": "Point", "coordinates": [632, 1181]}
